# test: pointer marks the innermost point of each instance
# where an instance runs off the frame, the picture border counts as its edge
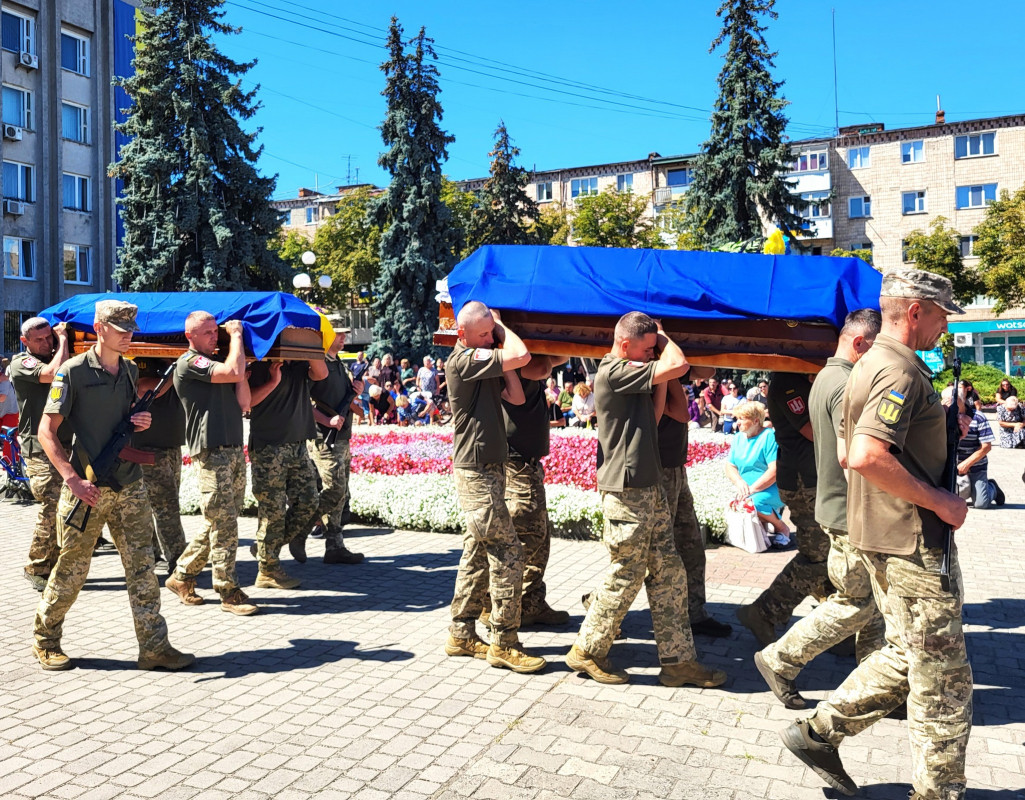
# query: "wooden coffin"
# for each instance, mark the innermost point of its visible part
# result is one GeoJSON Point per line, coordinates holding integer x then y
{"type": "Point", "coordinates": [763, 344]}
{"type": "Point", "coordinates": [293, 344]}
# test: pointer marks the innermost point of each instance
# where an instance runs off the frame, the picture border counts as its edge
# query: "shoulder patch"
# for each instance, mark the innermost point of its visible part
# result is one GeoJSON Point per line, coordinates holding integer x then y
{"type": "Point", "coordinates": [797, 405]}
{"type": "Point", "coordinates": [890, 407]}
{"type": "Point", "coordinates": [482, 354]}
{"type": "Point", "coordinates": [635, 363]}
{"type": "Point", "coordinates": [201, 362]}
{"type": "Point", "coordinates": [57, 391]}
{"type": "Point", "coordinates": [29, 362]}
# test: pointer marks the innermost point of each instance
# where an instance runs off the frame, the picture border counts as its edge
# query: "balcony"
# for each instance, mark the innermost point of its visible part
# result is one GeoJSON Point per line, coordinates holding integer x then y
{"type": "Point", "coordinates": [361, 321]}
{"type": "Point", "coordinates": [821, 228]}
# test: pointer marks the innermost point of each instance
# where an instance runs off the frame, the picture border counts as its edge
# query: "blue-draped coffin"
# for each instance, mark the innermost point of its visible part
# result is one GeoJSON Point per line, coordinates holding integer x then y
{"type": "Point", "coordinates": [264, 314]}
{"type": "Point", "coordinates": [665, 283]}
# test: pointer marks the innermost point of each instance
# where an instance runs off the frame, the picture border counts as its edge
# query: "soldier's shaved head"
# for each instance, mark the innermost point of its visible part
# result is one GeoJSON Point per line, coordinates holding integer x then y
{"type": "Point", "coordinates": [634, 325]}
{"type": "Point", "coordinates": [472, 312]}
{"type": "Point", "coordinates": [195, 319]}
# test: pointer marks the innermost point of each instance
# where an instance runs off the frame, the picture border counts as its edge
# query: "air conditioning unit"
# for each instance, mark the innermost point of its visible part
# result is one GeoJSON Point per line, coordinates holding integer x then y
{"type": "Point", "coordinates": [12, 132]}
{"type": "Point", "coordinates": [962, 340]}
{"type": "Point", "coordinates": [28, 60]}
{"type": "Point", "coordinates": [16, 207]}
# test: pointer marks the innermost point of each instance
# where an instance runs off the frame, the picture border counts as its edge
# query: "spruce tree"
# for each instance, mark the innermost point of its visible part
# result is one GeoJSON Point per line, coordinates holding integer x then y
{"type": "Point", "coordinates": [418, 247]}
{"type": "Point", "coordinates": [741, 169]}
{"type": "Point", "coordinates": [196, 213]}
{"type": "Point", "coordinates": [505, 211]}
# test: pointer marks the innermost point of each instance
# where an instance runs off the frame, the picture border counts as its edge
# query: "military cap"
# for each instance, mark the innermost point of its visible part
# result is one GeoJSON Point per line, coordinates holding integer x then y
{"type": "Point", "coordinates": [118, 314]}
{"type": "Point", "coordinates": [921, 285]}
{"type": "Point", "coordinates": [340, 329]}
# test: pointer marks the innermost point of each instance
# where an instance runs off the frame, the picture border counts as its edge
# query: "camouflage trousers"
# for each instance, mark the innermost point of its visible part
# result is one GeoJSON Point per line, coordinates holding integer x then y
{"type": "Point", "coordinates": [687, 538]}
{"type": "Point", "coordinates": [492, 557]}
{"type": "Point", "coordinates": [222, 494]}
{"type": "Point", "coordinates": [849, 611]}
{"type": "Point", "coordinates": [806, 573]}
{"type": "Point", "coordinates": [285, 486]}
{"type": "Point", "coordinates": [163, 481]}
{"type": "Point", "coordinates": [45, 482]}
{"type": "Point", "coordinates": [924, 661]}
{"type": "Point", "coordinates": [638, 536]}
{"type": "Point", "coordinates": [128, 517]}
{"type": "Point", "coordinates": [333, 466]}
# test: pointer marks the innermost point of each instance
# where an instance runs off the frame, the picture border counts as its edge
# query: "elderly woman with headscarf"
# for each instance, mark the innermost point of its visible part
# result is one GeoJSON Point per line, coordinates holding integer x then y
{"type": "Point", "coordinates": [1011, 419]}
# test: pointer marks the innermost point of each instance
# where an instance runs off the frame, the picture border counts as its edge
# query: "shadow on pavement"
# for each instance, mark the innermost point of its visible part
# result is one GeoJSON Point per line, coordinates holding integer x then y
{"type": "Point", "coordinates": [301, 654]}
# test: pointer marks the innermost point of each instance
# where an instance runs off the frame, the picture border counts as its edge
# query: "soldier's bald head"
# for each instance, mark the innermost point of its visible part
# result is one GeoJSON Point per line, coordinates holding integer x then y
{"type": "Point", "coordinates": [472, 313]}
{"type": "Point", "coordinates": [195, 319]}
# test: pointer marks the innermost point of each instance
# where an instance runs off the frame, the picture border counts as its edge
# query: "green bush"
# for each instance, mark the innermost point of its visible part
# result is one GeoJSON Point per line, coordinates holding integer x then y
{"type": "Point", "coordinates": [984, 378]}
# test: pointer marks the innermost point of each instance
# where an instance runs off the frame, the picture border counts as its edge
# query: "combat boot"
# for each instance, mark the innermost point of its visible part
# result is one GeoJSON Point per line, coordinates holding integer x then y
{"type": "Point", "coordinates": [342, 555]}
{"type": "Point", "coordinates": [819, 755]}
{"type": "Point", "coordinates": [38, 581]}
{"type": "Point", "coordinates": [51, 658]}
{"type": "Point", "coordinates": [711, 628]}
{"type": "Point", "coordinates": [237, 602]}
{"type": "Point", "coordinates": [784, 688]}
{"type": "Point", "coordinates": [691, 673]}
{"type": "Point", "coordinates": [510, 656]}
{"type": "Point", "coordinates": [275, 578]}
{"type": "Point", "coordinates": [473, 648]}
{"type": "Point", "coordinates": [543, 614]}
{"type": "Point", "coordinates": [297, 547]}
{"type": "Point", "coordinates": [751, 617]}
{"type": "Point", "coordinates": [185, 588]}
{"type": "Point", "coordinates": [601, 669]}
{"type": "Point", "coordinates": [168, 658]}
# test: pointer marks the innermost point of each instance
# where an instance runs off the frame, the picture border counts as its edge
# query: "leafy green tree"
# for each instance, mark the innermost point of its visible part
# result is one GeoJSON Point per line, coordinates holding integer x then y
{"type": "Point", "coordinates": [939, 251]}
{"type": "Point", "coordinates": [419, 244]}
{"type": "Point", "coordinates": [348, 246]}
{"type": "Point", "coordinates": [614, 219]}
{"type": "Point", "coordinates": [196, 213]}
{"type": "Point", "coordinates": [1001, 250]}
{"type": "Point", "coordinates": [460, 205]}
{"type": "Point", "coordinates": [677, 225]}
{"type": "Point", "coordinates": [504, 212]}
{"type": "Point", "coordinates": [741, 169]}
{"type": "Point", "coordinates": [863, 253]}
{"type": "Point", "coordinates": [552, 225]}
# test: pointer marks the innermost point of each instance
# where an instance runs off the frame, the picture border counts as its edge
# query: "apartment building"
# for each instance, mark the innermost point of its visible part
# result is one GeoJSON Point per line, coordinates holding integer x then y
{"type": "Point", "coordinates": [58, 221]}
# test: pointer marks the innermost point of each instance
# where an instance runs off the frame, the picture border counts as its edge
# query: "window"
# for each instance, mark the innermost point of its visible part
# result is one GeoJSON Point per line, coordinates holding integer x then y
{"type": "Point", "coordinates": [75, 123]}
{"type": "Point", "coordinates": [810, 162]}
{"type": "Point", "coordinates": [624, 183]}
{"type": "Point", "coordinates": [679, 179]}
{"type": "Point", "coordinates": [12, 329]}
{"type": "Point", "coordinates": [18, 183]}
{"type": "Point", "coordinates": [74, 53]}
{"type": "Point", "coordinates": [861, 246]}
{"type": "Point", "coordinates": [76, 264]}
{"type": "Point", "coordinates": [544, 192]}
{"type": "Point", "coordinates": [904, 251]}
{"type": "Point", "coordinates": [18, 33]}
{"type": "Point", "coordinates": [912, 202]}
{"type": "Point", "coordinates": [859, 207]}
{"type": "Point", "coordinates": [581, 187]}
{"type": "Point", "coordinates": [311, 215]}
{"type": "Point", "coordinates": [816, 206]}
{"type": "Point", "coordinates": [912, 152]}
{"type": "Point", "coordinates": [19, 258]}
{"type": "Point", "coordinates": [976, 196]}
{"type": "Point", "coordinates": [857, 157]}
{"type": "Point", "coordinates": [76, 192]}
{"type": "Point", "coordinates": [816, 251]}
{"type": "Point", "coordinates": [284, 217]}
{"type": "Point", "coordinates": [968, 246]}
{"type": "Point", "coordinates": [17, 107]}
{"type": "Point", "coordinates": [978, 144]}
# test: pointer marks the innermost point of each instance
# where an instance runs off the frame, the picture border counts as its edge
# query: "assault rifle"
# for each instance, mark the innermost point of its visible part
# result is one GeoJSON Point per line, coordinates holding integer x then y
{"type": "Point", "coordinates": [341, 411]}
{"type": "Point", "coordinates": [100, 472]}
{"type": "Point", "coordinates": [950, 471]}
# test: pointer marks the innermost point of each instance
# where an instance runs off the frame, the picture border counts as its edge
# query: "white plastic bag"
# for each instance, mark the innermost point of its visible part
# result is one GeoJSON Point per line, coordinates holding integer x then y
{"type": "Point", "coordinates": [744, 529]}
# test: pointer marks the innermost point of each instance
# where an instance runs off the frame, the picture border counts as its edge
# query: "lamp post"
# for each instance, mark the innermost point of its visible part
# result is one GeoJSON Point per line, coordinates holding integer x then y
{"type": "Point", "coordinates": [304, 284]}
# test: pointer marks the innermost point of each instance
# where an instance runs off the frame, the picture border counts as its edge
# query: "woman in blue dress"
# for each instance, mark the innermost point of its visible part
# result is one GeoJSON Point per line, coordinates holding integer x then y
{"type": "Point", "coordinates": [752, 465]}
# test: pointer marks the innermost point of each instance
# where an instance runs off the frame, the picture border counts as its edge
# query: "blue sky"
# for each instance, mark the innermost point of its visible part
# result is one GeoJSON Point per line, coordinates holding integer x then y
{"type": "Point", "coordinates": [586, 83]}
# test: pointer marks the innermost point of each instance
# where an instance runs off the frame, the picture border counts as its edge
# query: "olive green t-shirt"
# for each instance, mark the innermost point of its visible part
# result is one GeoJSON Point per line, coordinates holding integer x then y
{"type": "Point", "coordinates": [890, 397]}
{"type": "Point", "coordinates": [788, 410]}
{"type": "Point", "coordinates": [335, 393]}
{"type": "Point", "coordinates": [32, 395]}
{"type": "Point", "coordinates": [168, 428]}
{"type": "Point", "coordinates": [286, 414]}
{"type": "Point", "coordinates": [673, 440]}
{"type": "Point", "coordinates": [475, 387]}
{"type": "Point", "coordinates": [826, 406]}
{"type": "Point", "coordinates": [213, 417]}
{"type": "Point", "coordinates": [526, 426]}
{"type": "Point", "coordinates": [627, 433]}
{"type": "Point", "coordinates": [93, 402]}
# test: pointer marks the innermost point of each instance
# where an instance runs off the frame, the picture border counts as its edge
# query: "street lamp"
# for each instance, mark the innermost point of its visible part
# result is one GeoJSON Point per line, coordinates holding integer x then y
{"type": "Point", "coordinates": [309, 258]}
{"type": "Point", "coordinates": [302, 281]}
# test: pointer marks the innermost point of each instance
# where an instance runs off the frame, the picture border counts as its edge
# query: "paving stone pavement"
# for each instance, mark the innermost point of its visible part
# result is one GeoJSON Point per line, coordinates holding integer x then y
{"type": "Point", "coordinates": [340, 688]}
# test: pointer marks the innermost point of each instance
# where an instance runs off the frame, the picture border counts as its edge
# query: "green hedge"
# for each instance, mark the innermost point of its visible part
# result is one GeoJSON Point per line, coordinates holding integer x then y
{"type": "Point", "coordinates": [984, 378]}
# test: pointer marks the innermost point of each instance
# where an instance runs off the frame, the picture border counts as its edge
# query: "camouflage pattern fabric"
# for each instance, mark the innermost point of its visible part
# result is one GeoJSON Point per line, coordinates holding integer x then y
{"type": "Point", "coordinates": [637, 535]}
{"type": "Point", "coordinates": [45, 482]}
{"type": "Point", "coordinates": [333, 466]}
{"type": "Point", "coordinates": [130, 520]}
{"type": "Point", "coordinates": [492, 557]}
{"type": "Point", "coordinates": [924, 661]}
{"type": "Point", "coordinates": [285, 487]}
{"type": "Point", "coordinates": [163, 481]}
{"type": "Point", "coordinates": [222, 493]}
{"type": "Point", "coordinates": [849, 611]}
{"type": "Point", "coordinates": [690, 544]}
{"type": "Point", "coordinates": [528, 507]}
{"type": "Point", "coordinates": [806, 574]}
